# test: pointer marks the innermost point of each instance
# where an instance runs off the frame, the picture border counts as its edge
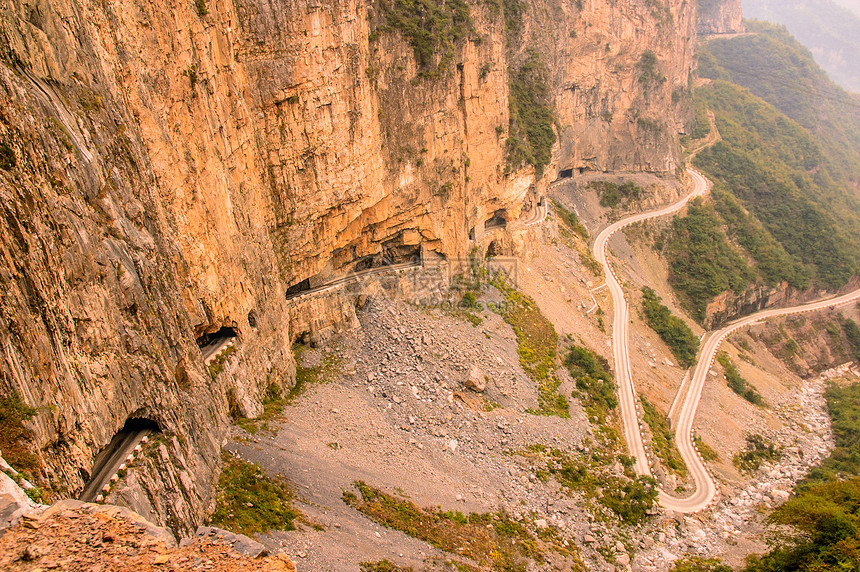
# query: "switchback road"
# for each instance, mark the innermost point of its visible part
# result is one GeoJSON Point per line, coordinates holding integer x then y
{"type": "Point", "coordinates": [705, 486]}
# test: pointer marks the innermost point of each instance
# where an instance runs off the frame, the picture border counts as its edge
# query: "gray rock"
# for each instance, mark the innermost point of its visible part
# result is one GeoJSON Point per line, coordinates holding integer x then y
{"type": "Point", "coordinates": [240, 543]}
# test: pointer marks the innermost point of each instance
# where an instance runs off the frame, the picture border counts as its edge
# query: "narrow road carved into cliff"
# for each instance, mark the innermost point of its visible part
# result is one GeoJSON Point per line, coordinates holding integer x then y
{"type": "Point", "coordinates": [706, 489]}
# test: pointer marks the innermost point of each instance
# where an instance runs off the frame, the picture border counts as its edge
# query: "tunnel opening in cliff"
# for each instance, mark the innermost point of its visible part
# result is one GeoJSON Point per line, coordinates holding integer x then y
{"type": "Point", "coordinates": [112, 457]}
{"type": "Point", "coordinates": [298, 288]}
{"type": "Point", "coordinates": [498, 220]}
{"type": "Point", "coordinates": [214, 338]}
{"type": "Point", "coordinates": [493, 250]}
{"type": "Point", "coordinates": [565, 174]}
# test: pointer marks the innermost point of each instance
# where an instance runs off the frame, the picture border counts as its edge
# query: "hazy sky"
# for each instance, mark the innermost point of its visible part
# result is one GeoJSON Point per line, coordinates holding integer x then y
{"type": "Point", "coordinates": [853, 5]}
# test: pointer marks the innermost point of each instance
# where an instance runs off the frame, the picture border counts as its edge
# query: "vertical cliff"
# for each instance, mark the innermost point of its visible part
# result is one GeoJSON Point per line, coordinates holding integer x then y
{"type": "Point", "coordinates": [174, 168]}
{"type": "Point", "coordinates": [720, 17]}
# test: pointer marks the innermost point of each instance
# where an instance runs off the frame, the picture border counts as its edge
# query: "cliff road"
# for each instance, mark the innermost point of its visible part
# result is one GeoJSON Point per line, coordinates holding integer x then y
{"type": "Point", "coordinates": [706, 490]}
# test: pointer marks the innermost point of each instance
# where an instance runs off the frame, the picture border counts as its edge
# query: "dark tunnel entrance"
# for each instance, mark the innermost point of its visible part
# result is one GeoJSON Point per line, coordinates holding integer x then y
{"type": "Point", "coordinates": [224, 333]}
{"type": "Point", "coordinates": [565, 174]}
{"type": "Point", "coordinates": [498, 220]}
{"type": "Point", "coordinates": [110, 459]}
{"type": "Point", "coordinates": [297, 289]}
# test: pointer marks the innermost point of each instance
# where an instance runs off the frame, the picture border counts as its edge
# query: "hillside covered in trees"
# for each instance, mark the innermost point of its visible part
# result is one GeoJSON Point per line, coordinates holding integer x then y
{"type": "Point", "coordinates": [785, 206]}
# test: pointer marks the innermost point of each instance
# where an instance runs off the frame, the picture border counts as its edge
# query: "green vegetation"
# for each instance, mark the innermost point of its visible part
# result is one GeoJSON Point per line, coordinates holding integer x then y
{"type": "Point", "coordinates": [202, 9]}
{"type": "Point", "coordinates": [827, 518]}
{"type": "Point", "coordinates": [383, 566]}
{"type": "Point", "coordinates": [663, 439]}
{"type": "Point", "coordinates": [674, 331]}
{"type": "Point", "coordinates": [613, 194]}
{"type": "Point", "coordinates": [628, 497]}
{"type": "Point", "coordinates": [706, 450]}
{"type": "Point", "coordinates": [757, 452]}
{"type": "Point", "coordinates": [702, 264]}
{"type": "Point", "coordinates": [432, 27]}
{"type": "Point", "coordinates": [826, 510]}
{"type": "Point", "coordinates": [216, 366]}
{"type": "Point", "coordinates": [531, 134]}
{"type": "Point", "coordinates": [249, 502]}
{"type": "Point", "coordinates": [15, 435]}
{"type": "Point", "coordinates": [574, 234]}
{"type": "Point", "coordinates": [570, 220]}
{"type": "Point", "coordinates": [594, 383]}
{"type": "Point", "coordinates": [537, 343]}
{"type": "Point", "coordinates": [844, 460]}
{"type": "Point", "coordinates": [7, 157]}
{"type": "Point", "coordinates": [494, 540]}
{"type": "Point", "coordinates": [852, 332]}
{"type": "Point", "coordinates": [649, 74]}
{"type": "Point", "coordinates": [468, 309]}
{"type": "Point", "coordinates": [696, 564]}
{"type": "Point", "coordinates": [737, 383]}
{"type": "Point", "coordinates": [786, 174]}
{"type": "Point", "coordinates": [792, 158]}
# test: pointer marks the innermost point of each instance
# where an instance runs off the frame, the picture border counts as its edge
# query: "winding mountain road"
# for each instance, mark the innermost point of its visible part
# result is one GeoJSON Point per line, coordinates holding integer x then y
{"type": "Point", "coordinates": [621, 322]}
{"type": "Point", "coordinates": [706, 489]}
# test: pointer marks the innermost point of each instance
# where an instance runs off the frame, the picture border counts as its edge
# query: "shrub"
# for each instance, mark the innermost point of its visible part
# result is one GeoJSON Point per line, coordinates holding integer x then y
{"type": "Point", "coordinates": [737, 383]}
{"type": "Point", "coordinates": [531, 134]}
{"type": "Point", "coordinates": [250, 502]}
{"type": "Point", "coordinates": [596, 388]}
{"type": "Point", "coordinates": [15, 435]}
{"type": "Point", "coordinates": [757, 451]}
{"type": "Point", "coordinates": [678, 336]}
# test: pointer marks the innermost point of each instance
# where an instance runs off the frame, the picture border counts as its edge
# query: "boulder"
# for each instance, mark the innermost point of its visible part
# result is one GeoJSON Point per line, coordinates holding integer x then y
{"type": "Point", "coordinates": [476, 381]}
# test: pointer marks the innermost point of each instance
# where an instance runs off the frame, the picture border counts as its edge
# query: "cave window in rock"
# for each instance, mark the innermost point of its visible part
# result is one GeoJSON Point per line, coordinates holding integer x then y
{"type": "Point", "coordinates": [565, 174]}
{"type": "Point", "coordinates": [217, 337]}
{"type": "Point", "coordinates": [298, 288]}
{"type": "Point", "coordinates": [252, 319]}
{"type": "Point", "coordinates": [493, 250]}
{"type": "Point", "coordinates": [107, 463]}
{"type": "Point", "coordinates": [498, 220]}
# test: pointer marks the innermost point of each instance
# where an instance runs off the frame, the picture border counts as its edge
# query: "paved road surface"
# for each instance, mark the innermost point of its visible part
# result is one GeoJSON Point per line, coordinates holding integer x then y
{"type": "Point", "coordinates": [621, 324]}
{"type": "Point", "coordinates": [705, 486]}
{"type": "Point", "coordinates": [354, 277]}
{"type": "Point", "coordinates": [110, 459]}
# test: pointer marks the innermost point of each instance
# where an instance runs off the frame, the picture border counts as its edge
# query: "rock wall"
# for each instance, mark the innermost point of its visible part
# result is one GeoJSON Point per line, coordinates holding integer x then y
{"type": "Point", "coordinates": [170, 168]}
{"type": "Point", "coordinates": [720, 17]}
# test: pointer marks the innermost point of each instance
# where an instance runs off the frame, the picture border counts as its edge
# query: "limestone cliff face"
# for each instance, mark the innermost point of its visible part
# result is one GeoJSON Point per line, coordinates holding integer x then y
{"type": "Point", "coordinates": [178, 166]}
{"type": "Point", "coordinates": [720, 17]}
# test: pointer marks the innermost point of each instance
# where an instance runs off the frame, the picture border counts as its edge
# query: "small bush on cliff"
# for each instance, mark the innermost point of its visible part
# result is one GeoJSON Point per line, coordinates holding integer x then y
{"type": "Point", "coordinates": [432, 28]}
{"type": "Point", "coordinates": [671, 329]}
{"type": "Point", "coordinates": [663, 439]}
{"type": "Point", "coordinates": [612, 194]}
{"type": "Point", "coordinates": [531, 133]}
{"type": "Point", "coordinates": [14, 435]}
{"type": "Point", "coordinates": [737, 383]}
{"type": "Point", "coordinates": [757, 452]}
{"type": "Point", "coordinates": [7, 157]}
{"type": "Point", "coordinates": [852, 332]}
{"type": "Point", "coordinates": [594, 382]}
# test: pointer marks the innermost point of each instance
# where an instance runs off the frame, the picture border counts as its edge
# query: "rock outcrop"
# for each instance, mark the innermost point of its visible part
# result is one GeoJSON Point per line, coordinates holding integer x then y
{"type": "Point", "coordinates": [720, 17]}
{"type": "Point", "coordinates": [171, 170]}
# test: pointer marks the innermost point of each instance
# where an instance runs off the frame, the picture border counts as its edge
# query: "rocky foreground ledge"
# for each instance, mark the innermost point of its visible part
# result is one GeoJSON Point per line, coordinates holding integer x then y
{"type": "Point", "coordinates": [71, 535]}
